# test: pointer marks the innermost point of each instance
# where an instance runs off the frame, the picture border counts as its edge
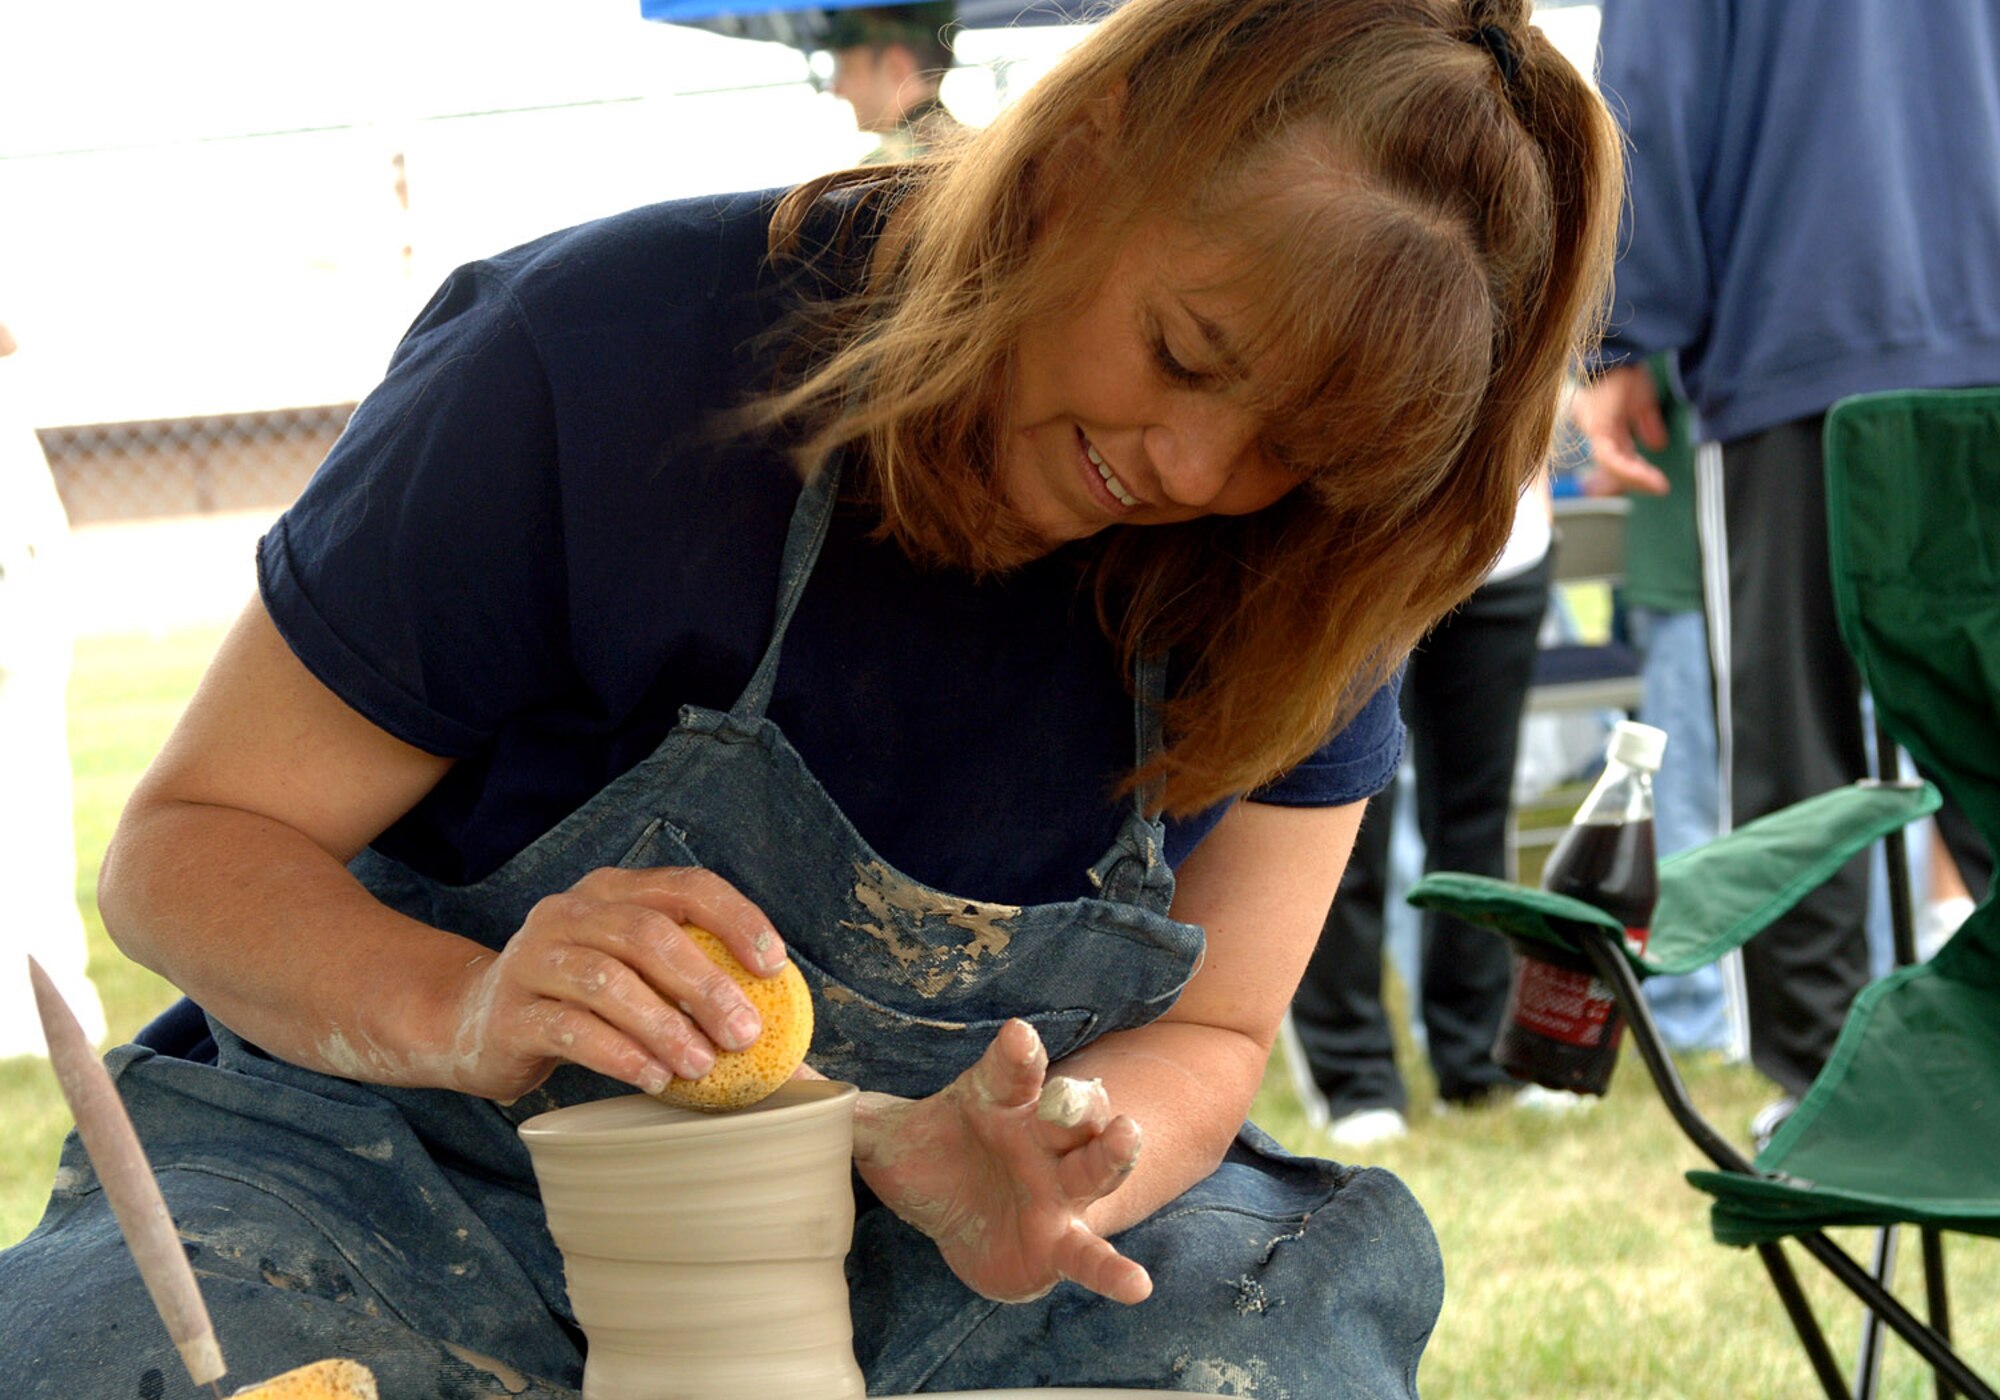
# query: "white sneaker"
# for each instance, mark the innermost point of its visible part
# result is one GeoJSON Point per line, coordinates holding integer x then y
{"type": "Point", "coordinates": [1537, 1099]}
{"type": "Point", "coordinates": [1311, 1101]}
{"type": "Point", "coordinates": [1938, 922]}
{"type": "Point", "coordinates": [1367, 1127]}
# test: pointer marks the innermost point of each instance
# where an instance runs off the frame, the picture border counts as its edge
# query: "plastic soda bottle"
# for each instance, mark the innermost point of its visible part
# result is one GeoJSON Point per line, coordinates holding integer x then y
{"type": "Point", "coordinates": [1562, 1025]}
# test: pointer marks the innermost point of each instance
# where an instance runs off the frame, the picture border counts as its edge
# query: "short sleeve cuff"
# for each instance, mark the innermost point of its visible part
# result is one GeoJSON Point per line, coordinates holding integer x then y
{"type": "Point", "coordinates": [1354, 765]}
{"type": "Point", "coordinates": [342, 669]}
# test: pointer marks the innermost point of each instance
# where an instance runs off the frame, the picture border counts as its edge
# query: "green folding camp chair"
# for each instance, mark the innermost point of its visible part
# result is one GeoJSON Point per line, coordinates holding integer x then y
{"type": "Point", "coordinates": [1902, 1127]}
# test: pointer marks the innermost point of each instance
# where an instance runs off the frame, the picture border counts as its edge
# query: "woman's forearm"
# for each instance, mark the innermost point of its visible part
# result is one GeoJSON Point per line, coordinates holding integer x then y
{"type": "Point", "coordinates": [1189, 1087]}
{"type": "Point", "coordinates": [269, 933]}
{"type": "Point", "coordinates": [1259, 885]}
{"type": "Point", "coordinates": [267, 930]}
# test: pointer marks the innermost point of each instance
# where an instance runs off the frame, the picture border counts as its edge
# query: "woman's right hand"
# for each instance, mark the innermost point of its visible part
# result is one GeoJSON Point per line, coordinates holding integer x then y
{"type": "Point", "coordinates": [603, 975]}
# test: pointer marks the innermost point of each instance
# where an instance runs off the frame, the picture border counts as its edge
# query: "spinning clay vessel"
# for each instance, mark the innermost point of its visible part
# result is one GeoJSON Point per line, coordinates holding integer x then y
{"type": "Point", "coordinates": [704, 1251]}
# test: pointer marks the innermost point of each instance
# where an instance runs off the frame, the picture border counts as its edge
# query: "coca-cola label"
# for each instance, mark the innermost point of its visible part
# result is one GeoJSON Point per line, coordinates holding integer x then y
{"type": "Point", "coordinates": [1560, 1003]}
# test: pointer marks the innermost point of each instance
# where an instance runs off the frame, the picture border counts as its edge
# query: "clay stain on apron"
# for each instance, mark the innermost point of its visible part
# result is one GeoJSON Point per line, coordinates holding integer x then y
{"type": "Point", "coordinates": [893, 902]}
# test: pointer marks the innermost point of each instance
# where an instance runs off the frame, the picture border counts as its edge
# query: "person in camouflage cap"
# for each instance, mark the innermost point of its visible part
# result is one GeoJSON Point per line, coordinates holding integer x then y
{"type": "Point", "coordinates": [887, 63]}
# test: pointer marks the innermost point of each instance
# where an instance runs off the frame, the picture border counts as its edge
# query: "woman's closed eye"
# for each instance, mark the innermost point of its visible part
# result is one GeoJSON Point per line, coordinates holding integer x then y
{"type": "Point", "coordinates": [1177, 371]}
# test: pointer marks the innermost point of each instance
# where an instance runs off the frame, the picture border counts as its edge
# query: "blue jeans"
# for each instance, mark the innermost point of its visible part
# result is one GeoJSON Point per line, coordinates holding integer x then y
{"type": "Point", "coordinates": [1679, 698]}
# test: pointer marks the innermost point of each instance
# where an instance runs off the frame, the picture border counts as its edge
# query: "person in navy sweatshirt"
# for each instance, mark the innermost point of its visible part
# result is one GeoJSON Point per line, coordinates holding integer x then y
{"type": "Point", "coordinates": [1815, 204]}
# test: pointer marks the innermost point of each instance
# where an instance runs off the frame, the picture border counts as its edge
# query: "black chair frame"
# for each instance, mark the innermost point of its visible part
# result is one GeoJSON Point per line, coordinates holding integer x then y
{"type": "Point", "coordinates": [1932, 1339]}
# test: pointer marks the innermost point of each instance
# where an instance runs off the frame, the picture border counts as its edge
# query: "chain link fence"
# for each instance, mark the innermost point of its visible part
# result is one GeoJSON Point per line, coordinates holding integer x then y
{"type": "Point", "coordinates": [189, 466]}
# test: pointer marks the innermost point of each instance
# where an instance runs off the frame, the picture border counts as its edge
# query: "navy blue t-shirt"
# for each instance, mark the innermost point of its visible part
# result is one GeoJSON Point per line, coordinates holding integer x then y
{"type": "Point", "coordinates": [530, 548]}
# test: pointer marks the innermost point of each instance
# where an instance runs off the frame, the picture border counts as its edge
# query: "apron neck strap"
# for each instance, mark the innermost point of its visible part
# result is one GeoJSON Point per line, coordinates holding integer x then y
{"type": "Point", "coordinates": [1149, 685]}
{"type": "Point", "coordinates": [811, 518]}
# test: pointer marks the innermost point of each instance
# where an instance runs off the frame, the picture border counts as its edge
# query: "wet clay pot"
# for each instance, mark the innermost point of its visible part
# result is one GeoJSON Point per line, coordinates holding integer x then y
{"type": "Point", "coordinates": [703, 1252]}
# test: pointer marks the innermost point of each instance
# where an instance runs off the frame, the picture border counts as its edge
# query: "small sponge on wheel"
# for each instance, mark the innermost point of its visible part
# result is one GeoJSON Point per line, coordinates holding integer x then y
{"type": "Point", "coordinates": [743, 1077]}
{"type": "Point", "coordinates": [323, 1380]}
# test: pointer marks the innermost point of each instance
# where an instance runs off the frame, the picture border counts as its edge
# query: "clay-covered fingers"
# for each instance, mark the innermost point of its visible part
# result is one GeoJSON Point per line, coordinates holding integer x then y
{"type": "Point", "coordinates": [638, 971]}
{"type": "Point", "coordinates": [1070, 1112]}
{"type": "Point", "coordinates": [614, 949]}
{"type": "Point", "coordinates": [562, 1031]}
{"type": "Point", "coordinates": [1098, 1167]}
{"type": "Point", "coordinates": [693, 896]}
{"type": "Point", "coordinates": [1009, 1074]}
{"type": "Point", "coordinates": [577, 1002]}
{"type": "Point", "coordinates": [1090, 1261]}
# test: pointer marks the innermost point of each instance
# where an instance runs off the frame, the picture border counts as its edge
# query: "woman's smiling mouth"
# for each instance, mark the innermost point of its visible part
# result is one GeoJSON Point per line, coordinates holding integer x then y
{"type": "Point", "coordinates": [1119, 491]}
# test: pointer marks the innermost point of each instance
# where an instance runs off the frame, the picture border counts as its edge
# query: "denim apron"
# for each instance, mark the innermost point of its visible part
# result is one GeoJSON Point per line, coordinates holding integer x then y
{"type": "Point", "coordinates": [401, 1227]}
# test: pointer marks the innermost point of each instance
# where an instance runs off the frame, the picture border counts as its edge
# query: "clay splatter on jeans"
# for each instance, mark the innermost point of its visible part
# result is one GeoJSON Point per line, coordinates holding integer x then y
{"type": "Point", "coordinates": [1213, 1375]}
{"type": "Point", "coordinates": [1251, 1297]}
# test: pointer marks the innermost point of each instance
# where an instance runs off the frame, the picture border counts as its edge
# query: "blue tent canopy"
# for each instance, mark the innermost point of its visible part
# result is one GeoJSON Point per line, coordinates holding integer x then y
{"type": "Point", "coordinates": [800, 26]}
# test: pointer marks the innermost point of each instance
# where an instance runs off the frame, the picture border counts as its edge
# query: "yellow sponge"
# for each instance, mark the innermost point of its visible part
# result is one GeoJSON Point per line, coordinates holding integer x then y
{"type": "Point", "coordinates": [323, 1380]}
{"type": "Point", "coordinates": [743, 1077]}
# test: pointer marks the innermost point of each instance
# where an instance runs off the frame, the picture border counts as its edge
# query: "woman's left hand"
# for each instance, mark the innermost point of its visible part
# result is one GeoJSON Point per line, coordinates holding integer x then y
{"type": "Point", "coordinates": [999, 1173]}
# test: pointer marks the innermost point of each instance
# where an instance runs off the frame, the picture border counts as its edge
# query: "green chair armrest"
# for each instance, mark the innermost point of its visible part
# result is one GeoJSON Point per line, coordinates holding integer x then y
{"type": "Point", "coordinates": [1719, 895]}
{"type": "Point", "coordinates": [1713, 898]}
{"type": "Point", "coordinates": [1516, 911]}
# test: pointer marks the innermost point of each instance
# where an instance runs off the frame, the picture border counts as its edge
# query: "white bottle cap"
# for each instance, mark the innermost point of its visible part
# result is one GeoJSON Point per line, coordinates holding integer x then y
{"type": "Point", "coordinates": [1637, 745]}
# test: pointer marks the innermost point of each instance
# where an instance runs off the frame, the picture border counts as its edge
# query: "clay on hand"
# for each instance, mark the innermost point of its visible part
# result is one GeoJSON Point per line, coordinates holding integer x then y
{"type": "Point", "coordinates": [999, 1180]}
{"type": "Point", "coordinates": [604, 975]}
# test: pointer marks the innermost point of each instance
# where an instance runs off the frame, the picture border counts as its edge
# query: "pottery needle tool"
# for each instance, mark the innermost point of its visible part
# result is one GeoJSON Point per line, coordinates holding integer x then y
{"type": "Point", "coordinates": [127, 1178]}
{"type": "Point", "coordinates": [128, 1182]}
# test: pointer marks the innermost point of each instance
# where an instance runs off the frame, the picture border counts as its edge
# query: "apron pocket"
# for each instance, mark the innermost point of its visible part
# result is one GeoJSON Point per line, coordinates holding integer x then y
{"type": "Point", "coordinates": [879, 1047]}
{"type": "Point", "coordinates": [660, 844]}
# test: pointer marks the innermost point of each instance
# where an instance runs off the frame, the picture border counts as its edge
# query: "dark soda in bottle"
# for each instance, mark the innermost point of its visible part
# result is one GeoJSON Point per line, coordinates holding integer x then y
{"type": "Point", "coordinates": [1563, 1026]}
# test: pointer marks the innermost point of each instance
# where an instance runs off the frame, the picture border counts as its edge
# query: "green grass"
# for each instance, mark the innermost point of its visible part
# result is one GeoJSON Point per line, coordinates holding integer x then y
{"type": "Point", "coordinates": [124, 695]}
{"type": "Point", "coordinates": [1577, 1260]}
